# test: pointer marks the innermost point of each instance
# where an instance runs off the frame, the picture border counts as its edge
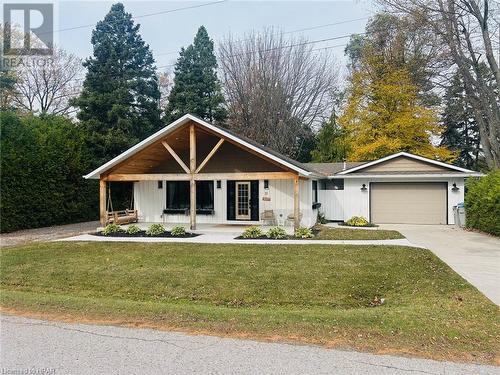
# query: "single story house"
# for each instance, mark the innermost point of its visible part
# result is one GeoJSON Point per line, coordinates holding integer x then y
{"type": "Point", "coordinates": [192, 172]}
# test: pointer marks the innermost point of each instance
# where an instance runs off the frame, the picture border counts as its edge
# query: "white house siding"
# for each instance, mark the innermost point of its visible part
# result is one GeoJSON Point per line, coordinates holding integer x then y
{"type": "Point", "coordinates": [150, 202]}
{"type": "Point", "coordinates": [357, 202]}
{"type": "Point", "coordinates": [332, 204]}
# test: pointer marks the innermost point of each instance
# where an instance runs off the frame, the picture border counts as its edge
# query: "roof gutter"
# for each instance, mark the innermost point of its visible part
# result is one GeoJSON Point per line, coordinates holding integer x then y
{"type": "Point", "coordinates": [416, 175]}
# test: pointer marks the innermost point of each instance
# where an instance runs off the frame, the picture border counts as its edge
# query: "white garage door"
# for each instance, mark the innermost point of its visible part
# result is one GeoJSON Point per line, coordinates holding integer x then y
{"type": "Point", "coordinates": [408, 203]}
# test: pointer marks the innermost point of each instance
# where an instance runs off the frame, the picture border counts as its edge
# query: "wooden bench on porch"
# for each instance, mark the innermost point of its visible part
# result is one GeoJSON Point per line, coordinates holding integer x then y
{"type": "Point", "coordinates": [122, 217]}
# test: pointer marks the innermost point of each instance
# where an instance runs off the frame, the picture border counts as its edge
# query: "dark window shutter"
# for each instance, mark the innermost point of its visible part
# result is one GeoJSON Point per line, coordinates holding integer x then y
{"type": "Point", "coordinates": [254, 203]}
{"type": "Point", "coordinates": [231, 209]}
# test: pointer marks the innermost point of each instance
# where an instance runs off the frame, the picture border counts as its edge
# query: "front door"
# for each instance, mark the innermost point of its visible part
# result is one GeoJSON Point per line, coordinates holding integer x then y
{"type": "Point", "coordinates": [243, 200]}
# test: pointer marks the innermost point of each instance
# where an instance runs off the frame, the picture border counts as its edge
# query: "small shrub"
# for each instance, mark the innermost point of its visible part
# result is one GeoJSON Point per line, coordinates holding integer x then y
{"type": "Point", "coordinates": [252, 232]}
{"type": "Point", "coordinates": [482, 203]}
{"type": "Point", "coordinates": [276, 233]}
{"type": "Point", "coordinates": [357, 221]}
{"type": "Point", "coordinates": [178, 231]}
{"type": "Point", "coordinates": [321, 218]}
{"type": "Point", "coordinates": [133, 229]}
{"type": "Point", "coordinates": [112, 228]}
{"type": "Point", "coordinates": [155, 230]}
{"type": "Point", "coordinates": [303, 232]}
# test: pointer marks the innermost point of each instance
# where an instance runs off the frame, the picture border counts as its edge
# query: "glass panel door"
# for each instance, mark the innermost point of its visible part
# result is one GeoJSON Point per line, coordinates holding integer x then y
{"type": "Point", "coordinates": [242, 200]}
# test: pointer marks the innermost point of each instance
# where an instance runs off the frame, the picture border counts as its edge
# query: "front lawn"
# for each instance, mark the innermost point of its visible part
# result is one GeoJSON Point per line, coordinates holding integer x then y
{"type": "Point", "coordinates": [329, 233]}
{"type": "Point", "coordinates": [319, 294]}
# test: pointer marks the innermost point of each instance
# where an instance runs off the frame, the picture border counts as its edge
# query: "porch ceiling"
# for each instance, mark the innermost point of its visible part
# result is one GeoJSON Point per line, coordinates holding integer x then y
{"type": "Point", "coordinates": [229, 158]}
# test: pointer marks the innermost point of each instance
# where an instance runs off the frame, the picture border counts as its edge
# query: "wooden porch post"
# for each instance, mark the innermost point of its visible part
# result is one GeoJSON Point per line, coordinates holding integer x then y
{"type": "Point", "coordinates": [296, 202]}
{"type": "Point", "coordinates": [102, 201]}
{"type": "Point", "coordinates": [192, 169]}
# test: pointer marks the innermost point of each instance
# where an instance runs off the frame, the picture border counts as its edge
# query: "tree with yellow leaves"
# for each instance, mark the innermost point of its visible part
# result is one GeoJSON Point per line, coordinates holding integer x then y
{"type": "Point", "coordinates": [383, 117]}
{"type": "Point", "coordinates": [390, 106]}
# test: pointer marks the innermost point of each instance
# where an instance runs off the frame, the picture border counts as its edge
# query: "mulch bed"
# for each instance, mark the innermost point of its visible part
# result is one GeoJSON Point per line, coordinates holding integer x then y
{"type": "Point", "coordinates": [358, 226]}
{"type": "Point", "coordinates": [142, 233]}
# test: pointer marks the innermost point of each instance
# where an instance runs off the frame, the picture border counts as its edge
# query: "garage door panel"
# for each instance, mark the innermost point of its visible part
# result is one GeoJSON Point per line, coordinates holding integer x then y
{"type": "Point", "coordinates": [408, 203]}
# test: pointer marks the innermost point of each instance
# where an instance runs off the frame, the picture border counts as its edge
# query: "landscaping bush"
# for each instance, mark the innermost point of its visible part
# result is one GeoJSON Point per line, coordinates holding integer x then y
{"type": "Point", "coordinates": [276, 233]}
{"type": "Point", "coordinates": [133, 229]}
{"type": "Point", "coordinates": [252, 232]}
{"type": "Point", "coordinates": [303, 232]}
{"type": "Point", "coordinates": [155, 230]}
{"type": "Point", "coordinates": [111, 229]}
{"type": "Point", "coordinates": [178, 231]}
{"type": "Point", "coordinates": [482, 203]}
{"type": "Point", "coordinates": [321, 218]}
{"type": "Point", "coordinates": [357, 221]}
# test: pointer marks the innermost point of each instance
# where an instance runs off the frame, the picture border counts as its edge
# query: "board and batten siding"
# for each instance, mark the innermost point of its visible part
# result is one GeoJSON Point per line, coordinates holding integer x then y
{"type": "Point", "coordinates": [332, 204]}
{"type": "Point", "coordinates": [150, 202]}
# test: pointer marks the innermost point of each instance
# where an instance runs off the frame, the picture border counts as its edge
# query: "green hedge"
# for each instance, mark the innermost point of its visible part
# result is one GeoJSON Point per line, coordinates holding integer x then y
{"type": "Point", "coordinates": [42, 163]}
{"type": "Point", "coordinates": [482, 203]}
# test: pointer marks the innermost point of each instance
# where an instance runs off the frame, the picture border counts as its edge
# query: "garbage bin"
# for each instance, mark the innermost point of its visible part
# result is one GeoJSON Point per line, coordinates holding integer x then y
{"type": "Point", "coordinates": [459, 214]}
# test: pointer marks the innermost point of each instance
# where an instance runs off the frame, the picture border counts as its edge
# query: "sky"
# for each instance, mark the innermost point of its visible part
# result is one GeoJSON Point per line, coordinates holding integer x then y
{"type": "Point", "coordinates": [166, 33]}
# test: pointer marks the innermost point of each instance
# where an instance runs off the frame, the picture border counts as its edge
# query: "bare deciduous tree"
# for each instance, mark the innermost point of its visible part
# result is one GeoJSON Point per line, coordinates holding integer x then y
{"type": "Point", "coordinates": [466, 28]}
{"type": "Point", "coordinates": [277, 89]}
{"type": "Point", "coordinates": [165, 84]}
{"type": "Point", "coordinates": [45, 85]}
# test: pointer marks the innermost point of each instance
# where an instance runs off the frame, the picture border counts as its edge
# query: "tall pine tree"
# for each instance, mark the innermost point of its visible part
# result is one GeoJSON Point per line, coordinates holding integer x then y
{"type": "Point", "coordinates": [461, 131]}
{"type": "Point", "coordinates": [119, 102]}
{"type": "Point", "coordinates": [196, 86]}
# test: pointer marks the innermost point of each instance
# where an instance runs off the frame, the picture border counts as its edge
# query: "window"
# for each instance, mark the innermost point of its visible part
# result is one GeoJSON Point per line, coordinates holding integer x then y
{"type": "Point", "coordinates": [335, 184]}
{"type": "Point", "coordinates": [160, 184]}
{"type": "Point", "coordinates": [315, 191]}
{"type": "Point", "coordinates": [178, 195]}
{"type": "Point", "coordinates": [205, 195]}
{"type": "Point", "coordinates": [219, 184]}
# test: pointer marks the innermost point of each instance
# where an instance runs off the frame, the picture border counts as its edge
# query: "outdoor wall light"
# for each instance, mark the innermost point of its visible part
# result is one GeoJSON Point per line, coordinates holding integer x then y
{"type": "Point", "coordinates": [455, 187]}
{"type": "Point", "coordinates": [363, 187]}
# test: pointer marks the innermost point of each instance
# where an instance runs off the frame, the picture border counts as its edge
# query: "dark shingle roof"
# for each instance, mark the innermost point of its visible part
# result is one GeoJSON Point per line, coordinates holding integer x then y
{"type": "Point", "coordinates": [332, 168]}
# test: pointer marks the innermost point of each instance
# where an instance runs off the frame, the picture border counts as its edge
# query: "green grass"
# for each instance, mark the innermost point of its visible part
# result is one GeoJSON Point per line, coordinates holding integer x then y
{"type": "Point", "coordinates": [326, 233]}
{"type": "Point", "coordinates": [319, 294]}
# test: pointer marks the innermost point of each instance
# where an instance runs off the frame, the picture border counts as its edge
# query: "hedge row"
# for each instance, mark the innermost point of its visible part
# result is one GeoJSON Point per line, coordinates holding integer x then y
{"type": "Point", "coordinates": [42, 163]}
{"type": "Point", "coordinates": [482, 203]}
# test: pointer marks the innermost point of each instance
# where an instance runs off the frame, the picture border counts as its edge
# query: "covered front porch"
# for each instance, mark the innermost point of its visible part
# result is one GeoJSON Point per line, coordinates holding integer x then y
{"type": "Point", "coordinates": [200, 175]}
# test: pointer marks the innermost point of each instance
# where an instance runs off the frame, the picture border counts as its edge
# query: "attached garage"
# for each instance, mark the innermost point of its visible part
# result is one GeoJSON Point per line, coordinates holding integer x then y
{"type": "Point", "coordinates": [408, 202]}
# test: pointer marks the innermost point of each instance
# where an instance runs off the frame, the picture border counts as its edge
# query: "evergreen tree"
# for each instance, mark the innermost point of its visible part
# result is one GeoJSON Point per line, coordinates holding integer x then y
{"type": "Point", "coordinates": [196, 86]}
{"type": "Point", "coordinates": [331, 140]}
{"type": "Point", "coordinates": [461, 131]}
{"type": "Point", "coordinates": [119, 102]}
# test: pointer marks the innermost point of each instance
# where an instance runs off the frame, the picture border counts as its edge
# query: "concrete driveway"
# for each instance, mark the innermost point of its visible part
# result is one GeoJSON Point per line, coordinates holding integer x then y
{"type": "Point", "coordinates": [475, 256]}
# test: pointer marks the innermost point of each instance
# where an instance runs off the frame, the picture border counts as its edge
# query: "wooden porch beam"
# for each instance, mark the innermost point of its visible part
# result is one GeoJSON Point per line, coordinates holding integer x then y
{"type": "Point", "coordinates": [175, 156]}
{"type": "Point", "coordinates": [149, 177]}
{"type": "Point", "coordinates": [192, 169]}
{"type": "Point", "coordinates": [245, 176]}
{"type": "Point", "coordinates": [209, 156]}
{"type": "Point", "coordinates": [296, 203]}
{"type": "Point", "coordinates": [199, 176]}
{"type": "Point", "coordinates": [102, 201]}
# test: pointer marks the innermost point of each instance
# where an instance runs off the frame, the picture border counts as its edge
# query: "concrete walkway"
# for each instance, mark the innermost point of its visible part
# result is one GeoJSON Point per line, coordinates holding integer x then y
{"type": "Point", "coordinates": [61, 348]}
{"type": "Point", "coordinates": [228, 238]}
{"type": "Point", "coordinates": [475, 256]}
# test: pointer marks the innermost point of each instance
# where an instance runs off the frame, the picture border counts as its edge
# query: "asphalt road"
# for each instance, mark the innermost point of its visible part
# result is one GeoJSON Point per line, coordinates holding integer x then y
{"type": "Point", "coordinates": [30, 346]}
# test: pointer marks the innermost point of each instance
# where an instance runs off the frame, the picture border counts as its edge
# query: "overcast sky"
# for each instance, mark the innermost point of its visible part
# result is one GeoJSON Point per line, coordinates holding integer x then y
{"type": "Point", "coordinates": [167, 33]}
